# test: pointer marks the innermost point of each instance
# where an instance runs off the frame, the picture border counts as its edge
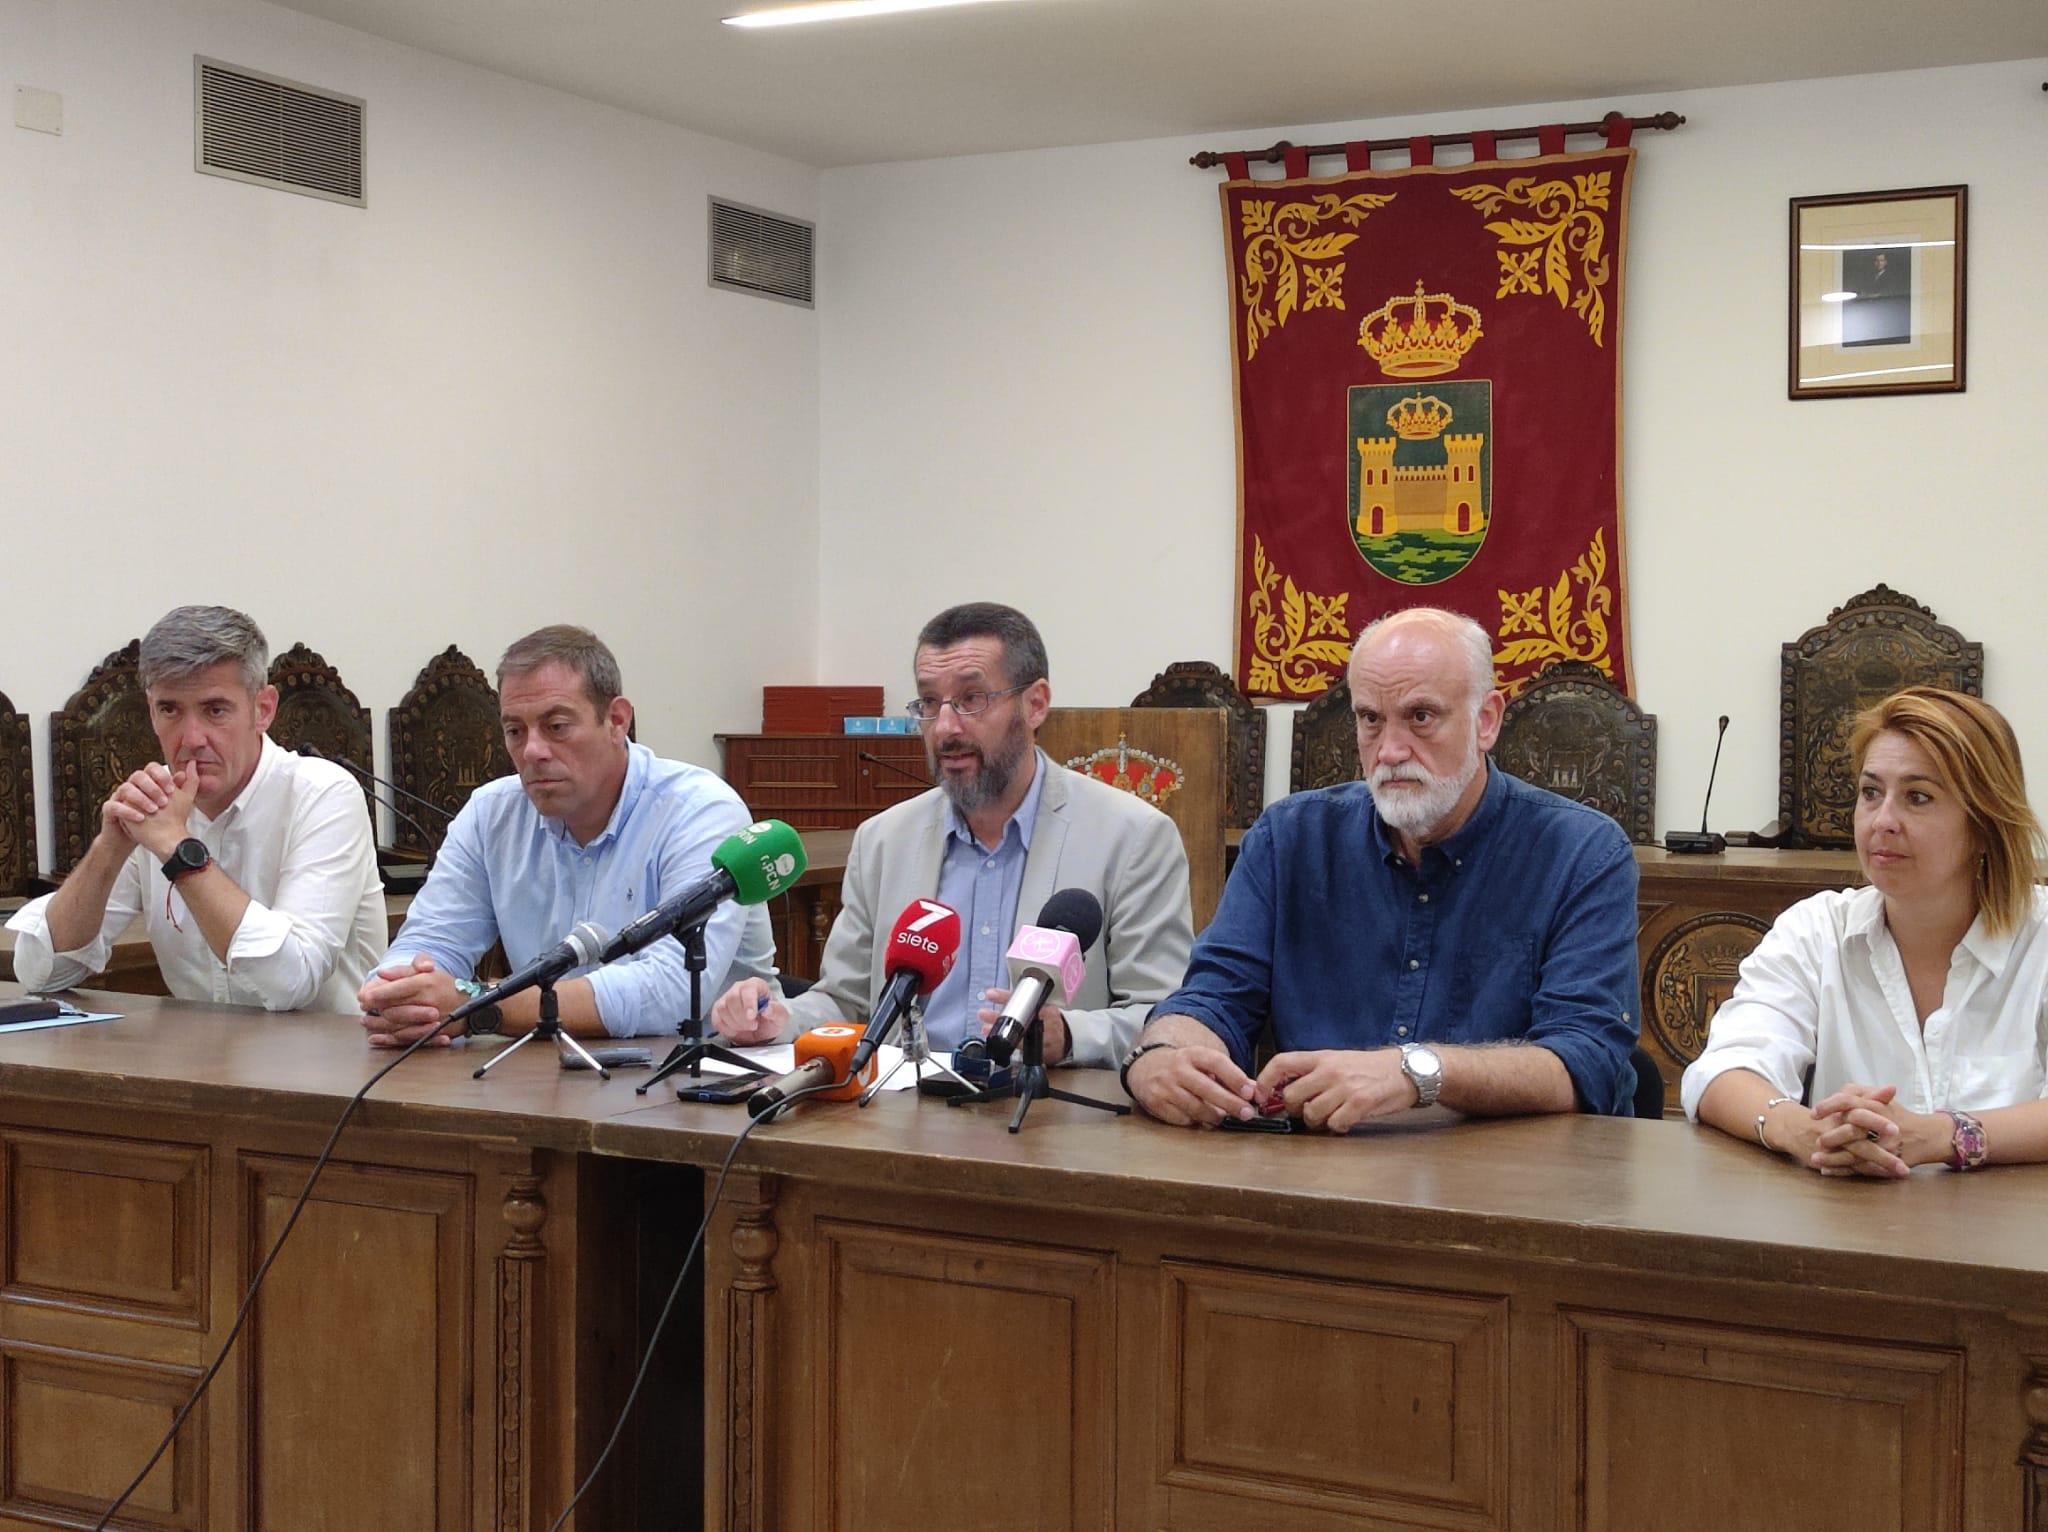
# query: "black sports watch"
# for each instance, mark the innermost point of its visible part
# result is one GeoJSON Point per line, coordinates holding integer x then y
{"type": "Point", "coordinates": [189, 855]}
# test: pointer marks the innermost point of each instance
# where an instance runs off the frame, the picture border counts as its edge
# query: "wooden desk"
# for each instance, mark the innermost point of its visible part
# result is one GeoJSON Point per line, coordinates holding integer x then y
{"type": "Point", "coordinates": [915, 1320]}
{"type": "Point", "coordinates": [444, 1341]}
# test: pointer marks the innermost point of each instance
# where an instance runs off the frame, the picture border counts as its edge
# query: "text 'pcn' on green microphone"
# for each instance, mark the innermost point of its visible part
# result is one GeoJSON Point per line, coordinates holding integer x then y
{"type": "Point", "coordinates": [752, 867]}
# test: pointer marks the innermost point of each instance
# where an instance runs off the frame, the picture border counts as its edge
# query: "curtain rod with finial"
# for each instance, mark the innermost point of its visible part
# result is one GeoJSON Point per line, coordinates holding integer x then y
{"type": "Point", "coordinates": [1662, 121]}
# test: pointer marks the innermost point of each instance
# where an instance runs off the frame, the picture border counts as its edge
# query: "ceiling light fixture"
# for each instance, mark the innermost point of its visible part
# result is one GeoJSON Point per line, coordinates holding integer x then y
{"type": "Point", "coordinates": [838, 10]}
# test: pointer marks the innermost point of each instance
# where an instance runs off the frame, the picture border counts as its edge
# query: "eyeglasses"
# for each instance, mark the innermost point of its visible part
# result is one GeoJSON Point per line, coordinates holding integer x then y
{"type": "Point", "coordinates": [966, 705]}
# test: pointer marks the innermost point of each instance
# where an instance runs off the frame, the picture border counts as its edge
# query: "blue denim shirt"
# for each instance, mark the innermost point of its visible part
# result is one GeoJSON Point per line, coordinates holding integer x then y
{"type": "Point", "coordinates": [1521, 925]}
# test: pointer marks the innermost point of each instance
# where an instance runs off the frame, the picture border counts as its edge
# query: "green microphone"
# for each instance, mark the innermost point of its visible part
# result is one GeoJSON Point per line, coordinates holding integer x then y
{"type": "Point", "coordinates": [753, 866]}
{"type": "Point", "coordinates": [763, 860]}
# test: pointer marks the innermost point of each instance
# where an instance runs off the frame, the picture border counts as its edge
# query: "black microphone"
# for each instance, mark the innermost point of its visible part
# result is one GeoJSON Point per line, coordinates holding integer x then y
{"type": "Point", "coordinates": [315, 753]}
{"type": "Point", "coordinates": [900, 770]}
{"type": "Point", "coordinates": [1046, 963]}
{"type": "Point", "coordinates": [312, 753]}
{"type": "Point", "coordinates": [579, 949]}
{"type": "Point", "coordinates": [777, 1094]}
{"type": "Point", "coordinates": [1686, 842]}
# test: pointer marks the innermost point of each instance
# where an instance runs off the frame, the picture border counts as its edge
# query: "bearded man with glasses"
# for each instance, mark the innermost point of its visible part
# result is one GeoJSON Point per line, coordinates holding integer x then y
{"type": "Point", "coordinates": [1003, 829]}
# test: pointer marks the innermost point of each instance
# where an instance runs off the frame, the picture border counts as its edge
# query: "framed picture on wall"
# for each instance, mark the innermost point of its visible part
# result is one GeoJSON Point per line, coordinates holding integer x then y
{"type": "Point", "coordinates": [1877, 293]}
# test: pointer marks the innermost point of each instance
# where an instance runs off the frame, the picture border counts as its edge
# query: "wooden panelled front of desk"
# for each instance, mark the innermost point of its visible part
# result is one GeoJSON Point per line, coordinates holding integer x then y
{"type": "Point", "coordinates": [916, 1321]}
{"type": "Point", "coordinates": [443, 1342]}
{"type": "Point", "coordinates": [912, 1319]}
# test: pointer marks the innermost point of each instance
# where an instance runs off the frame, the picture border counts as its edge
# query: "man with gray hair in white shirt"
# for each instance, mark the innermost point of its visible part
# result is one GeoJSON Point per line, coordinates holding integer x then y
{"type": "Point", "coordinates": [254, 869]}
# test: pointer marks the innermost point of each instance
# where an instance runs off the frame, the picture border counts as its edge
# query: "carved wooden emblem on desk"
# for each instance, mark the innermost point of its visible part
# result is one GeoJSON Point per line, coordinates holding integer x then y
{"type": "Point", "coordinates": [18, 869]}
{"type": "Point", "coordinates": [99, 738]}
{"type": "Point", "coordinates": [1870, 646]}
{"type": "Point", "coordinates": [315, 707]}
{"type": "Point", "coordinates": [1689, 973]}
{"type": "Point", "coordinates": [445, 739]}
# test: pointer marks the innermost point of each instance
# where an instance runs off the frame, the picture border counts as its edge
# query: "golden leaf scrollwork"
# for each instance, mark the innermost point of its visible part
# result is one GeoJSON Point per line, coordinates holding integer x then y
{"type": "Point", "coordinates": [1289, 652]}
{"type": "Point", "coordinates": [1559, 626]}
{"type": "Point", "coordinates": [1568, 229]}
{"type": "Point", "coordinates": [1283, 253]}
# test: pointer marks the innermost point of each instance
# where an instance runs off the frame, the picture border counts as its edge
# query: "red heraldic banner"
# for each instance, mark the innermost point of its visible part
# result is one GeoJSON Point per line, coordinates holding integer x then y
{"type": "Point", "coordinates": [1428, 376]}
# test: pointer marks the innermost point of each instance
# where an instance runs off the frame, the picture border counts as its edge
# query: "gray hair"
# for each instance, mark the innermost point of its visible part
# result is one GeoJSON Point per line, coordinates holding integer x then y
{"type": "Point", "coordinates": [1023, 648]}
{"type": "Point", "coordinates": [1456, 626]}
{"type": "Point", "coordinates": [577, 648]}
{"type": "Point", "coordinates": [190, 639]}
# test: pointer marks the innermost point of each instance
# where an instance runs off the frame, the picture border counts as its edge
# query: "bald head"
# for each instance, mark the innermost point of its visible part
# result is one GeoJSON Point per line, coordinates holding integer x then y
{"type": "Point", "coordinates": [1448, 640]}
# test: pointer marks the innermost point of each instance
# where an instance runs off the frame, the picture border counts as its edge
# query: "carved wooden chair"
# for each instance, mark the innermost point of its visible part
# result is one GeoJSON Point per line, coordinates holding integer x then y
{"type": "Point", "coordinates": [1576, 733]}
{"type": "Point", "coordinates": [445, 738]}
{"type": "Point", "coordinates": [1870, 646]}
{"type": "Point", "coordinates": [315, 707]}
{"type": "Point", "coordinates": [1325, 742]}
{"type": "Point", "coordinates": [19, 869]}
{"type": "Point", "coordinates": [1197, 683]}
{"type": "Point", "coordinates": [97, 740]}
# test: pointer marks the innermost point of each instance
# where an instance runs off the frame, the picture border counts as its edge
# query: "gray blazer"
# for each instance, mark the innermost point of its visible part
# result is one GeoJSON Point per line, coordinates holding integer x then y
{"type": "Point", "coordinates": [1088, 835]}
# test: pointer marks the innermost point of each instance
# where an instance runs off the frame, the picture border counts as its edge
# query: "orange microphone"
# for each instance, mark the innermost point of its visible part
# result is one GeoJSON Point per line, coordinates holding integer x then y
{"type": "Point", "coordinates": [822, 1054]}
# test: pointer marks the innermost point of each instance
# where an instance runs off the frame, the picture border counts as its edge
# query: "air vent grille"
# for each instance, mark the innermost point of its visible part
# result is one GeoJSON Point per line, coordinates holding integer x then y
{"type": "Point", "coordinates": [257, 128]}
{"type": "Point", "coordinates": [763, 253]}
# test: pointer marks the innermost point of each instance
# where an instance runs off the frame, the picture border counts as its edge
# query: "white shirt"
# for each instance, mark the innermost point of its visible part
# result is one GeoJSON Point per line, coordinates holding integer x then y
{"type": "Point", "coordinates": [296, 840]}
{"type": "Point", "coordinates": [1827, 987]}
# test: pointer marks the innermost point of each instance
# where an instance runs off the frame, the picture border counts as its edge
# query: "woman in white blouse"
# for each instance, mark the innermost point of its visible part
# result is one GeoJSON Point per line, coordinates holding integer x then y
{"type": "Point", "coordinates": [1917, 1002]}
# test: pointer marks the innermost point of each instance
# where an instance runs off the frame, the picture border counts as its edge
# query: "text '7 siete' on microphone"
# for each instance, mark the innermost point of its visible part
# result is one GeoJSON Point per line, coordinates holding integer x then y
{"type": "Point", "coordinates": [919, 956]}
{"type": "Point", "coordinates": [753, 866]}
{"type": "Point", "coordinates": [1046, 964]}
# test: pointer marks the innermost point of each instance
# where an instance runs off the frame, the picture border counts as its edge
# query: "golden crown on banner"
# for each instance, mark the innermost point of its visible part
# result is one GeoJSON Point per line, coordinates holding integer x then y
{"type": "Point", "coordinates": [1419, 418]}
{"type": "Point", "coordinates": [1432, 340]}
{"type": "Point", "coordinates": [1152, 777]}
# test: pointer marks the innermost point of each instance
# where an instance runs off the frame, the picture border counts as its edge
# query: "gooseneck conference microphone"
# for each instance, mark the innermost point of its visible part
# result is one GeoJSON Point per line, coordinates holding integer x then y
{"type": "Point", "coordinates": [1702, 843]}
{"type": "Point", "coordinates": [1046, 963]}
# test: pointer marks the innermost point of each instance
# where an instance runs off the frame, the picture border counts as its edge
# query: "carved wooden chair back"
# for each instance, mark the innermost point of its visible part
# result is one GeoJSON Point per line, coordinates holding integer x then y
{"type": "Point", "coordinates": [1197, 683]}
{"type": "Point", "coordinates": [445, 739]}
{"type": "Point", "coordinates": [1325, 748]}
{"type": "Point", "coordinates": [1870, 646]}
{"type": "Point", "coordinates": [97, 740]}
{"type": "Point", "coordinates": [1576, 733]}
{"type": "Point", "coordinates": [315, 707]}
{"type": "Point", "coordinates": [19, 870]}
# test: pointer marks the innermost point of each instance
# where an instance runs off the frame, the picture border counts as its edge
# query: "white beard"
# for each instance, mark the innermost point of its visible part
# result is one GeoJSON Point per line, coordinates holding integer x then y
{"type": "Point", "coordinates": [1417, 812]}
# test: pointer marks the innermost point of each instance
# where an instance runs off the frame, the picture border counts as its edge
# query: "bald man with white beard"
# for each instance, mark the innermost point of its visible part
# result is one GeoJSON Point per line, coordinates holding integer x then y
{"type": "Point", "coordinates": [1439, 933]}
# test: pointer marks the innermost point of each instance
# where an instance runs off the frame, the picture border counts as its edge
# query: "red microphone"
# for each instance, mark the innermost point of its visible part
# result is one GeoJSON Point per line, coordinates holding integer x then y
{"type": "Point", "coordinates": [920, 955]}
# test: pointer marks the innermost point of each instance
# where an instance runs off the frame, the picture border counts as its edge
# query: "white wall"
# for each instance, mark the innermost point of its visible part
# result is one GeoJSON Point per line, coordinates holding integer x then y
{"type": "Point", "coordinates": [1026, 396]}
{"type": "Point", "coordinates": [501, 395]}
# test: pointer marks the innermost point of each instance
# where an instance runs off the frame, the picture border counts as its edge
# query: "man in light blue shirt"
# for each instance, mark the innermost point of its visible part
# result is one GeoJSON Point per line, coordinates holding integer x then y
{"type": "Point", "coordinates": [596, 828]}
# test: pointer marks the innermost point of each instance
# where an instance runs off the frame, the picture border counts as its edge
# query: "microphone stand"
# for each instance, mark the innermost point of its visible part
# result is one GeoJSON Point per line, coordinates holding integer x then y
{"type": "Point", "coordinates": [550, 1027]}
{"type": "Point", "coordinates": [917, 1051]}
{"type": "Point", "coordinates": [692, 1051]}
{"type": "Point", "coordinates": [1029, 1083]}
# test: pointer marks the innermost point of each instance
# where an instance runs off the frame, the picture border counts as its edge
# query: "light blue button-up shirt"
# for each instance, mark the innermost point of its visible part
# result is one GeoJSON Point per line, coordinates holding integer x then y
{"type": "Point", "coordinates": [508, 873]}
{"type": "Point", "coordinates": [983, 886]}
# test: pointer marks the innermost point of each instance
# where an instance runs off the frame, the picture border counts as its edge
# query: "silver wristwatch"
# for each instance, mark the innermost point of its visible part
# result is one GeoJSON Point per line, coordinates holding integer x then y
{"type": "Point", "coordinates": [1422, 1066]}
